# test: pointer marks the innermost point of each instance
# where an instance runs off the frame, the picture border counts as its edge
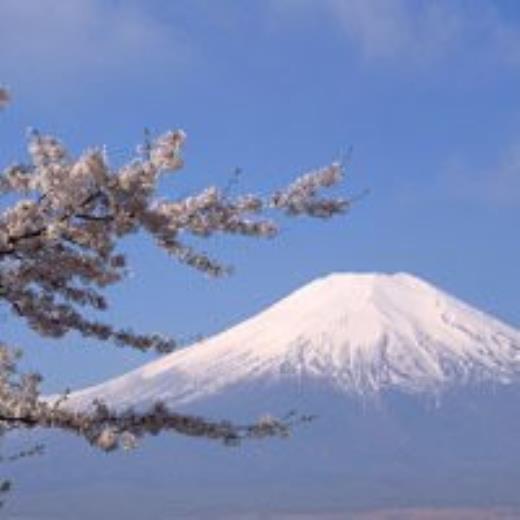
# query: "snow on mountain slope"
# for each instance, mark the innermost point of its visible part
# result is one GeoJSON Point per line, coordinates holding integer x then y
{"type": "Point", "coordinates": [354, 333]}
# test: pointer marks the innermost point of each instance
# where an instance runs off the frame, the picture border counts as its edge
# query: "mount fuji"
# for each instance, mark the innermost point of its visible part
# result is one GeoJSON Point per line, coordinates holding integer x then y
{"type": "Point", "coordinates": [417, 403]}
{"type": "Point", "coordinates": [353, 334]}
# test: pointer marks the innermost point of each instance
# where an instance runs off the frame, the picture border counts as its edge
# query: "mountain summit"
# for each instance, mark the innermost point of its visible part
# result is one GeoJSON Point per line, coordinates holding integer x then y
{"type": "Point", "coordinates": [354, 333]}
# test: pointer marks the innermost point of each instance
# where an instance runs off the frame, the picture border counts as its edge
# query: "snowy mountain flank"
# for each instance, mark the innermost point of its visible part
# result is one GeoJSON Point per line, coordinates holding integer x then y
{"type": "Point", "coordinates": [354, 334]}
{"type": "Point", "coordinates": [415, 396]}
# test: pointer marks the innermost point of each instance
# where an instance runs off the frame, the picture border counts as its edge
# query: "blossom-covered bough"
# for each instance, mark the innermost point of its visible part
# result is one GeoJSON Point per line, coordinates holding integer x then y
{"type": "Point", "coordinates": [58, 253]}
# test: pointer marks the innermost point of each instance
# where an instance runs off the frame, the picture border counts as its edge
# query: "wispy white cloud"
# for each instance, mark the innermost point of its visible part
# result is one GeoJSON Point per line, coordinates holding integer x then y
{"type": "Point", "coordinates": [43, 38]}
{"type": "Point", "coordinates": [460, 182]}
{"type": "Point", "coordinates": [408, 32]}
{"type": "Point", "coordinates": [497, 185]}
{"type": "Point", "coordinates": [385, 29]}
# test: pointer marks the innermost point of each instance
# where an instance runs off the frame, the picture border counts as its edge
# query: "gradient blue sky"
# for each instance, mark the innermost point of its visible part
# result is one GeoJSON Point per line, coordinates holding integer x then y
{"type": "Point", "coordinates": [426, 93]}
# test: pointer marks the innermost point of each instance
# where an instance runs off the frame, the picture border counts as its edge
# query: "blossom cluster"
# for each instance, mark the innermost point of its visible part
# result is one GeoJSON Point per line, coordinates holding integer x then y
{"type": "Point", "coordinates": [108, 429]}
{"type": "Point", "coordinates": [58, 240]}
{"type": "Point", "coordinates": [62, 220]}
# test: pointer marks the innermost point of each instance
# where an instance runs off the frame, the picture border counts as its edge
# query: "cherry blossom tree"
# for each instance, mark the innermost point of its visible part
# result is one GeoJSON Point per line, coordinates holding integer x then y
{"type": "Point", "coordinates": [61, 223]}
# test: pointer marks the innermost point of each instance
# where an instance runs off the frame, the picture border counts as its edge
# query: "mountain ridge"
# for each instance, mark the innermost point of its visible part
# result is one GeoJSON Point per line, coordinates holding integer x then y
{"type": "Point", "coordinates": [359, 333]}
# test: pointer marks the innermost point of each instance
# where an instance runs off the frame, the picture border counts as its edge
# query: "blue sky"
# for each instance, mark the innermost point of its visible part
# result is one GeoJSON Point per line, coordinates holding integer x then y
{"type": "Point", "coordinates": [426, 94]}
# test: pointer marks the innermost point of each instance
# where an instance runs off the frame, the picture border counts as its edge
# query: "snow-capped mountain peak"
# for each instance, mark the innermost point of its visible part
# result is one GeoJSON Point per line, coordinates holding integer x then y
{"type": "Point", "coordinates": [357, 333]}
